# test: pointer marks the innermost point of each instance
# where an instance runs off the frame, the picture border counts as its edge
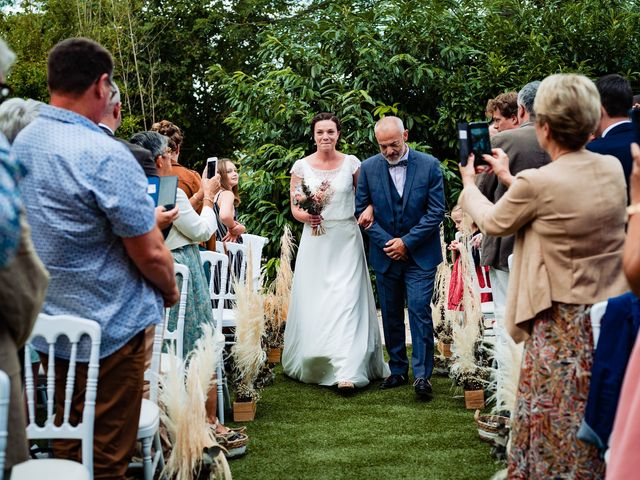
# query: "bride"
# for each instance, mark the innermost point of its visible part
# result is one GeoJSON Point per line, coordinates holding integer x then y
{"type": "Point", "coordinates": [332, 335]}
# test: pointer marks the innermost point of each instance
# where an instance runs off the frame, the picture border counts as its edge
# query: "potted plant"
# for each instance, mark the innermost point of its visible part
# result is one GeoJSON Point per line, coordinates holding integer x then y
{"type": "Point", "coordinates": [247, 352]}
{"type": "Point", "coordinates": [276, 301]}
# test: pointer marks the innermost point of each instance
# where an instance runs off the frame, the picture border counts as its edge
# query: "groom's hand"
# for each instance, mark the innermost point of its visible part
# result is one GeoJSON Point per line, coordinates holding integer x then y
{"type": "Point", "coordinates": [396, 249]}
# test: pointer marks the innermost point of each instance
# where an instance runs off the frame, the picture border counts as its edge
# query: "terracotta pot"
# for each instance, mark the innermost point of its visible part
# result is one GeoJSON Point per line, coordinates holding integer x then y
{"type": "Point", "coordinates": [445, 349]}
{"type": "Point", "coordinates": [274, 355]}
{"type": "Point", "coordinates": [244, 411]}
{"type": "Point", "coordinates": [474, 399]}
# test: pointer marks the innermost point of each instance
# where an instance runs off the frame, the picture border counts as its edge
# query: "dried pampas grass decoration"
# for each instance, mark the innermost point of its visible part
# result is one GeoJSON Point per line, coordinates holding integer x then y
{"type": "Point", "coordinates": [441, 288]}
{"type": "Point", "coordinates": [182, 397]}
{"type": "Point", "coordinates": [248, 355]}
{"type": "Point", "coordinates": [466, 334]}
{"type": "Point", "coordinates": [506, 374]}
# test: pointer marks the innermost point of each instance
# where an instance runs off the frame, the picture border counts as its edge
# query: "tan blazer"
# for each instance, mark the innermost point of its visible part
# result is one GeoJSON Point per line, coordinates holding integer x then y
{"type": "Point", "coordinates": [569, 218]}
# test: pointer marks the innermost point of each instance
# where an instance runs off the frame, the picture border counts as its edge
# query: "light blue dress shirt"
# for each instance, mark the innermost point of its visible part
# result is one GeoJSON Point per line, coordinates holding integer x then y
{"type": "Point", "coordinates": [83, 193]}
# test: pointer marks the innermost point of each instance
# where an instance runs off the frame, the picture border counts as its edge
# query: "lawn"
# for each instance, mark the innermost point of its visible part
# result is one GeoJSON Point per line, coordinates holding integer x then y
{"type": "Point", "coordinates": [311, 432]}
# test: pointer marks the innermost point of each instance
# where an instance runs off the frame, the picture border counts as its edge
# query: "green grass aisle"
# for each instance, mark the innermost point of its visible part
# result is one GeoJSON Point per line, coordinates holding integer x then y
{"type": "Point", "coordinates": [311, 432]}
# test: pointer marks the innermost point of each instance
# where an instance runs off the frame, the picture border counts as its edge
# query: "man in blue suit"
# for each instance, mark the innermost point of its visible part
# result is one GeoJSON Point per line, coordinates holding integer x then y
{"type": "Point", "coordinates": [615, 132]}
{"type": "Point", "coordinates": [406, 190]}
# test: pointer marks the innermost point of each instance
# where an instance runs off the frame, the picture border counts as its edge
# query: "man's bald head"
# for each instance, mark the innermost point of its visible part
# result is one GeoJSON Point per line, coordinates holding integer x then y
{"type": "Point", "coordinates": [389, 123]}
{"type": "Point", "coordinates": [391, 136]}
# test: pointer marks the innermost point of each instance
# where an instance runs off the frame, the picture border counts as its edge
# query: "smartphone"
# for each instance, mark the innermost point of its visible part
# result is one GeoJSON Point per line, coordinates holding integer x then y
{"type": "Point", "coordinates": [474, 137]}
{"type": "Point", "coordinates": [167, 190]}
{"type": "Point", "coordinates": [212, 167]}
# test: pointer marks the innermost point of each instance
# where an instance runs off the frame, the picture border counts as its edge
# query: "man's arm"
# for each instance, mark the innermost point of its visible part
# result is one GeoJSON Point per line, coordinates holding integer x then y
{"type": "Point", "coordinates": [429, 224]}
{"type": "Point", "coordinates": [378, 235]}
{"type": "Point", "coordinates": [155, 262]}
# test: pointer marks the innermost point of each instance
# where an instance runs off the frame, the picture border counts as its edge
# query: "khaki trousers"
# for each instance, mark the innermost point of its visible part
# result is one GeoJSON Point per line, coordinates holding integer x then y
{"type": "Point", "coordinates": [118, 403]}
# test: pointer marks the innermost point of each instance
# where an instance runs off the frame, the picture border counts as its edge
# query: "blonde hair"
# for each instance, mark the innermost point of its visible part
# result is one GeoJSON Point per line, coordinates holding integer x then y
{"type": "Point", "coordinates": [570, 105]}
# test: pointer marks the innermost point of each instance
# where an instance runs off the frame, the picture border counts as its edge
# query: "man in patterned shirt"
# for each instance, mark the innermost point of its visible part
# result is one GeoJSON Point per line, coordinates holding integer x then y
{"type": "Point", "coordinates": [95, 230]}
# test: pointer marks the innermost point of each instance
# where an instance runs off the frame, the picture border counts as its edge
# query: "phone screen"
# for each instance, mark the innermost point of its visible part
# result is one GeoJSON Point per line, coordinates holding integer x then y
{"type": "Point", "coordinates": [212, 166]}
{"type": "Point", "coordinates": [480, 140]}
{"type": "Point", "coordinates": [167, 191]}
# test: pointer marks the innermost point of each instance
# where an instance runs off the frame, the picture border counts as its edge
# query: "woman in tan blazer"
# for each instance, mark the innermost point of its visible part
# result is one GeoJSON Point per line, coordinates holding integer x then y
{"type": "Point", "coordinates": [568, 218]}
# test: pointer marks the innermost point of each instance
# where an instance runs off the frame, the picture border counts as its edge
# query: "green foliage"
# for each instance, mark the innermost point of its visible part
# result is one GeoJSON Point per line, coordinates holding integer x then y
{"type": "Point", "coordinates": [244, 77]}
{"type": "Point", "coordinates": [431, 63]}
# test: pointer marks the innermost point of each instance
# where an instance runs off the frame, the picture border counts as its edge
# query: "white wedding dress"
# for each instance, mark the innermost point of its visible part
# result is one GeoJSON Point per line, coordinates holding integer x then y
{"type": "Point", "coordinates": [332, 331]}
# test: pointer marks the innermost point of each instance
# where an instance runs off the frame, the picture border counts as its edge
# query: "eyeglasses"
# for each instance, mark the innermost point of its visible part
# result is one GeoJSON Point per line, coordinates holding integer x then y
{"type": "Point", "coordinates": [5, 91]}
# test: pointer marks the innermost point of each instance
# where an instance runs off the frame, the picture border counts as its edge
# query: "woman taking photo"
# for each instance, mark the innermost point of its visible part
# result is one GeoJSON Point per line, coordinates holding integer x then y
{"type": "Point", "coordinates": [332, 335]}
{"type": "Point", "coordinates": [568, 218]}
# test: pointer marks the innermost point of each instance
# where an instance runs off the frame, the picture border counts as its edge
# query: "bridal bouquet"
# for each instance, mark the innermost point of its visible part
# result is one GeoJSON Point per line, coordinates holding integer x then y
{"type": "Point", "coordinates": [313, 202]}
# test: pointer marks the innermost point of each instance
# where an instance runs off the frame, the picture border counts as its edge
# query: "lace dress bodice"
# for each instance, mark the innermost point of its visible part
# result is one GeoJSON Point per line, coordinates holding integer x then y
{"type": "Point", "coordinates": [342, 204]}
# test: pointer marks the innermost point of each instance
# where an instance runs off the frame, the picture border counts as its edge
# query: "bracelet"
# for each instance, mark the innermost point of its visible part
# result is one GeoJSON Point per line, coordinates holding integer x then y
{"type": "Point", "coordinates": [207, 198]}
{"type": "Point", "coordinates": [633, 209]}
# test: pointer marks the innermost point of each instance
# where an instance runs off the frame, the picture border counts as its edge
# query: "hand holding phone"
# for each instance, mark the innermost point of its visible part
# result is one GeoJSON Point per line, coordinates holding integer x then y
{"type": "Point", "coordinates": [474, 138]}
{"type": "Point", "coordinates": [212, 167]}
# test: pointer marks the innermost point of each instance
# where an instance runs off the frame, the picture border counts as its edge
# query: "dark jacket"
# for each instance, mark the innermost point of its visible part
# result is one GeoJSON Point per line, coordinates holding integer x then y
{"type": "Point", "coordinates": [521, 145]}
{"type": "Point", "coordinates": [142, 155]}
{"type": "Point", "coordinates": [418, 218]}
{"type": "Point", "coordinates": [617, 142]}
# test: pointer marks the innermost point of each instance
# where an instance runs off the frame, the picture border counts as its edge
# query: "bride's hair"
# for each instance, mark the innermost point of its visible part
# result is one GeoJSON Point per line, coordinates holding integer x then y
{"type": "Point", "coordinates": [324, 116]}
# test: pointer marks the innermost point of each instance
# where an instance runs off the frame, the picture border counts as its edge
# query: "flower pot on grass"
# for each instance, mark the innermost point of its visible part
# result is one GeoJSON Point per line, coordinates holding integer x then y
{"type": "Point", "coordinates": [474, 399]}
{"type": "Point", "coordinates": [244, 411]}
{"type": "Point", "coordinates": [445, 349]}
{"type": "Point", "coordinates": [274, 355]}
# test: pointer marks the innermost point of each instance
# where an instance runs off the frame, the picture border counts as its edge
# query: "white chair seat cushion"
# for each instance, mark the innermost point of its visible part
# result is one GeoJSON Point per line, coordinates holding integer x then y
{"type": "Point", "coordinates": [149, 419]}
{"type": "Point", "coordinates": [50, 469]}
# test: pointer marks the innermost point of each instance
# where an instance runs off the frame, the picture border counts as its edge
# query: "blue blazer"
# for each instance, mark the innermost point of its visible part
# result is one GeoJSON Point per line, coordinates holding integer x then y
{"type": "Point", "coordinates": [617, 142]}
{"type": "Point", "coordinates": [422, 204]}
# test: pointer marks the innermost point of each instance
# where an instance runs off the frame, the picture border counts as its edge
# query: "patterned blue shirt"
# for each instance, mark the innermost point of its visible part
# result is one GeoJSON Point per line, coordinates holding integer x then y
{"type": "Point", "coordinates": [83, 193]}
{"type": "Point", "coordinates": [11, 171]}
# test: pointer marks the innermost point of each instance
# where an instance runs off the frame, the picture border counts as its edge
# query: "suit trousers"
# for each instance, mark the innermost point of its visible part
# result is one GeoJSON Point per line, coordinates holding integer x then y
{"type": "Point", "coordinates": [118, 402]}
{"type": "Point", "coordinates": [406, 281]}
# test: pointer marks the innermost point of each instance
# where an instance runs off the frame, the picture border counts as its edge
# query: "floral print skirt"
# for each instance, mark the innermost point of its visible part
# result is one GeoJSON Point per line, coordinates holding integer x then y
{"type": "Point", "coordinates": [551, 399]}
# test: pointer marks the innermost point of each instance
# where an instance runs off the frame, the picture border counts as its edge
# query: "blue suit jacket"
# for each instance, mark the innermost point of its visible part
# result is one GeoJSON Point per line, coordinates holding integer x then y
{"type": "Point", "coordinates": [617, 142]}
{"type": "Point", "coordinates": [423, 209]}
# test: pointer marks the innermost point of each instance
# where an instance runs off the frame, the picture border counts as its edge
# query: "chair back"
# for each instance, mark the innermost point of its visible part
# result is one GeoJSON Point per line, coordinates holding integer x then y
{"type": "Point", "coordinates": [237, 253]}
{"type": "Point", "coordinates": [218, 266]}
{"type": "Point", "coordinates": [50, 328]}
{"type": "Point", "coordinates": [176, 336]}
{"type": "Point", "coordinates": [5, 394]}
{"type": "Point", "coordinates": [255, 244]}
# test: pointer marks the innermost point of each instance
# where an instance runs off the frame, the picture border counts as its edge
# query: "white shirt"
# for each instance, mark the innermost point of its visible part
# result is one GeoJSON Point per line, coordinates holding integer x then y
{"type": "Point", "coordinates": [610, 127]}
{"type": "Point", "coordinates": [190, 227]}
{"type": "Point", "coordinates": [399, 174]}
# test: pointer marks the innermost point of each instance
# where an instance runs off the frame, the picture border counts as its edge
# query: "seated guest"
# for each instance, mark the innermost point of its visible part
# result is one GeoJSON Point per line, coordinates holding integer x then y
{"type": "Point", "coordinates": [569, 218]}
{"type": "Point", "coordinates": [94, 227]}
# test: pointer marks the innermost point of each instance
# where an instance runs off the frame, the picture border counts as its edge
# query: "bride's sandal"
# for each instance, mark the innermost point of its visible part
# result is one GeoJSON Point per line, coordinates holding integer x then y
{"type": "Point", "coordinates": [345, 385]}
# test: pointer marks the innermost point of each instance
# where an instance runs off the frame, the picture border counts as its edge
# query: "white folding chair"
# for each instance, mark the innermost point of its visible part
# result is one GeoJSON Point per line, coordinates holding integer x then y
{"type": "Point", "coordinates": [50, 328]}
{"type": "Point", "coordinates": [237, 270]}
{"type": "Point", "coordinates": [255, 243]}
{"type": "Point", "coordinates": [5, 395]}
{"type": "Point", "coordinates": [218, 264]}
{"type": "Point", "coordinates": [176, 336]}
{"type": "Point", "coordinates": [597, 312]}
{"type": "Point", "coordinates": [149, 422]}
